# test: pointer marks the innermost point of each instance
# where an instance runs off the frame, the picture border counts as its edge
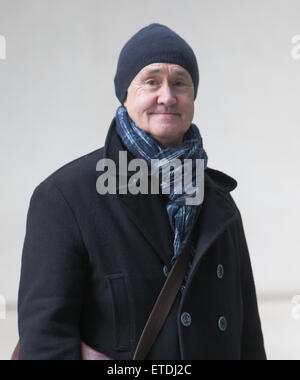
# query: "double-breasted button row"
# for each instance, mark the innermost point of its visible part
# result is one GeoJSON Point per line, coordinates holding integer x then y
{"type": "Point", "coordinates": [222, 322]}
{"type": "Point", "coordinates": [220, 271]}
{"type": "Point", "coordinates": [186, 320]}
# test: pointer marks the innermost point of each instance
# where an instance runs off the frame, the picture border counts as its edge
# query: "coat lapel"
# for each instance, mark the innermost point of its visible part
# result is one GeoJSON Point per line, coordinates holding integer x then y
{"type": "Point", "coordinates": [148, 211]}
{"type": "Point", "coordinates": [149, 214]}
{"type": "Point", "coordinates": [216, 214]}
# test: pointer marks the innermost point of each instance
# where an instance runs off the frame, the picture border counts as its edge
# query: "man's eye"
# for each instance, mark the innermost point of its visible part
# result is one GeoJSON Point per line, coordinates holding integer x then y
{"type": "Point", "coordinates": [154, 83]}
{"type": "Point", "coordinates": [151, 82]}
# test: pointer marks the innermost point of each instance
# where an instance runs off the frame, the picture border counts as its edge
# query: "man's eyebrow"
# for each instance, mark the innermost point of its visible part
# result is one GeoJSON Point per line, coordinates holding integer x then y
{"type": "Point", "coordinates": [157, 71]}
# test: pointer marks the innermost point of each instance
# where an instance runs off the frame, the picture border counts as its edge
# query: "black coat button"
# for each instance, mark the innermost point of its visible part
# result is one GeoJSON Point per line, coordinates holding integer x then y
{"type": "Point", "coordinates": [220, 272]}
{"type": "Point", "coordinates": [166, 271]}
{"type": "Point", "coordinates": [186, 319]}
{"type": "Point", "coordinates": [222, 324]}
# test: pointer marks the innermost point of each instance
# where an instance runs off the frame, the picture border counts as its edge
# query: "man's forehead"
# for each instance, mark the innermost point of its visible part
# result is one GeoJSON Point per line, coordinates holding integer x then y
{"type": "Point", "coordinates": [155, 68]}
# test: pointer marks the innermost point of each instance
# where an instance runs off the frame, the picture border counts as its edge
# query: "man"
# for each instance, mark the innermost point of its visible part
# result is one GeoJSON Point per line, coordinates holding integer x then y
{"type": "Point", "coordinates": [93, 264]}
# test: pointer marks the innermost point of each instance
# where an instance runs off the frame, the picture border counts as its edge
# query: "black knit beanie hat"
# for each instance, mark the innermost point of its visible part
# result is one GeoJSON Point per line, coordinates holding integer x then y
{"type": "Point", "coordinates": [155, 43]}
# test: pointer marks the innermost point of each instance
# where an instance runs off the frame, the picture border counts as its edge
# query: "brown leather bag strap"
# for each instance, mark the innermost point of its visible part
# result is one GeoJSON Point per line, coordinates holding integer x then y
{"type": "Point", "coordinates": [165, 300]}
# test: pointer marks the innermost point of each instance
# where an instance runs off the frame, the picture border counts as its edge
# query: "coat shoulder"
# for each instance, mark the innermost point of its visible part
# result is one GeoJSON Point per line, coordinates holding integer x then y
{"type": "Point", "coordinates": [76, 173]}
{"type": "Point", "coordinates": [221, 180]}
{"type": "Point", "coordinates": [224, 183]}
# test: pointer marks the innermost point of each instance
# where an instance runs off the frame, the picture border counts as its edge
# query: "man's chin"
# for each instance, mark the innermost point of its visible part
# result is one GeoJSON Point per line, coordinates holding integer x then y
{"type": "Point", "coordinates": [165, 135]}
{"type": "Point", "coordinates": [166, 129]}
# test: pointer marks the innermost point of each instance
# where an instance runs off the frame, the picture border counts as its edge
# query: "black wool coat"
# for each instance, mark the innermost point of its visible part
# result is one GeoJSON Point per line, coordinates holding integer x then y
{"type": "Point", "coordinates": [93, 266]}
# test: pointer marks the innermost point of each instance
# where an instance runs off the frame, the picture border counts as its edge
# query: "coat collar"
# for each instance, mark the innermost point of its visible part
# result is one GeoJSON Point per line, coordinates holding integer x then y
{"type": "Point", "coordinates": [149, 212]}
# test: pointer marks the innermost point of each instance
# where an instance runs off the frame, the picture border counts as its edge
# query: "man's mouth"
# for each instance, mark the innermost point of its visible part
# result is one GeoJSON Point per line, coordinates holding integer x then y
{"type": "Point", "coordinates": [165, 114]}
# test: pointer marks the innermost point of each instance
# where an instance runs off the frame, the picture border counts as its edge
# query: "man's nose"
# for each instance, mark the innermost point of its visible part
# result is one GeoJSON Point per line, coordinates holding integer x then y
{"type": "Point", "coordinates": [166, 95]}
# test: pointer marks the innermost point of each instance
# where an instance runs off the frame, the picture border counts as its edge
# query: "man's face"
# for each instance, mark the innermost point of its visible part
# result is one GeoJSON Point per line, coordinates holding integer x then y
{"type": "Point", "coordinates": [160, 100]}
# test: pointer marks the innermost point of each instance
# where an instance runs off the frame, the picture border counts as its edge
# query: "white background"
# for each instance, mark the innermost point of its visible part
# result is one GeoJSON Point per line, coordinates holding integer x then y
{"type": "Point", "coordinates": [57, 100]}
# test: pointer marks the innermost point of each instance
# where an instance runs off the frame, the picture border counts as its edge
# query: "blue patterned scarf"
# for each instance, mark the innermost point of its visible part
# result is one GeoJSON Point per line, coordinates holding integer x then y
{"type": "Point", "coordinates": [141, 145]}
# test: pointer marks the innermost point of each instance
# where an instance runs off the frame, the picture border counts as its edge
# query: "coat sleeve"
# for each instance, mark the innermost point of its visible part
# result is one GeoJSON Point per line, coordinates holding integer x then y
{"type": "Point", "coordinates": [52, 279]}
{"type": "Point", "coordinates": [252, 336]}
